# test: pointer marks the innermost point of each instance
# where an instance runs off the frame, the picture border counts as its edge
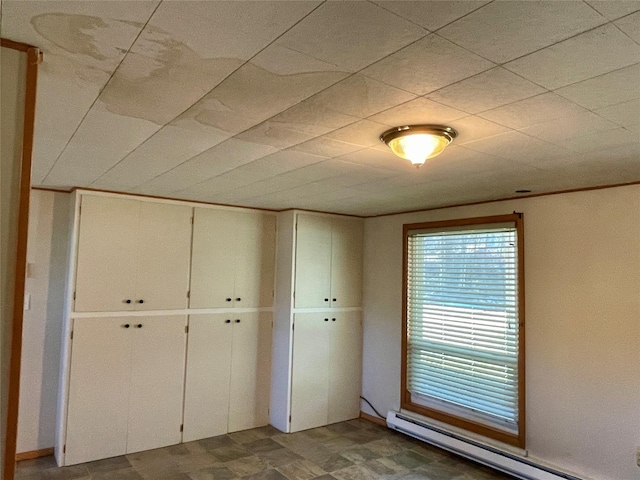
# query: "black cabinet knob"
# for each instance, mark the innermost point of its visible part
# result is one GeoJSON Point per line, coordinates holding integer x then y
{"type": "Point", "coordinates": [228, 299]}
{"type": "Point", "coordinates": [128, 300]}
{"type": "Point", "coordinates": [237, 320]}
{"type": "Point", "coordinates": [139, 325]}
{"type": "Point", "coordinates": [227, 321]}
{"type": "Point", "coordinates": [126, 325]}
{"type": "Point", "coordinates": [326, 319]}
{"type": "Point", "coordinates": [334, 299]}
{"type": "Point", "coordinates": [238, 299]}
{"type": "Point", "coordinates": [333, 319]}
{"type": "Point", "coordinates": [326, 299]}
{"type": "Point", "coordinates": [140, 301]}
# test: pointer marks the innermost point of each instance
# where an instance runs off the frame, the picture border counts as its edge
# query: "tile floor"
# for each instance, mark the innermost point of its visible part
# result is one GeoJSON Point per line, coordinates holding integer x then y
{"type": "Point", "coordinates": [353, 450]}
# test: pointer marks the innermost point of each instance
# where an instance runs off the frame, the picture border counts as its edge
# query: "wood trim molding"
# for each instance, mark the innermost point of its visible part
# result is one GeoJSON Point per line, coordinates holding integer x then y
{"type": "Point", "coordinates": [33, 55]}
{"type": "Point", "coordinates": [43, 452]}
{"type": "Point", "coordinates": [23, 47]}
{"type": "Point", "coordinates": [519, 197]}
{"type": "Point", "coordinates": [406, 402]}
{"type": "Point", "coordinates": [374, 419]}
{"type": "Point", "coordinates": [47, 189]}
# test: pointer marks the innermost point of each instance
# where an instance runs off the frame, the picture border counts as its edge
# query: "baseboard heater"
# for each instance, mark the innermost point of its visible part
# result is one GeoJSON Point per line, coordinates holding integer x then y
{"type": "Point", "coordinates": [508, 463]}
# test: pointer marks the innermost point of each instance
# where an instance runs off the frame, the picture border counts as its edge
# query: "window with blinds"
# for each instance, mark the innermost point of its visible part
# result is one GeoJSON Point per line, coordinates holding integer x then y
{"type": "Point", "coordinates": [462, 324]}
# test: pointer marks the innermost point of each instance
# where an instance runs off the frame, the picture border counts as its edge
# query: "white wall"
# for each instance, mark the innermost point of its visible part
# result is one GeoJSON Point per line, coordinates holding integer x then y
{"type": "Point", "coordinates": [582, 295]}
{"type": "Point", "coordinates": [42, 325]}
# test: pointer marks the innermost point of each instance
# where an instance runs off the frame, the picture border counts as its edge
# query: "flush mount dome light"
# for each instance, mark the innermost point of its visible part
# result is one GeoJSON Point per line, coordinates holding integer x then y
{"type": "Point", "coordinates": [417, 143]}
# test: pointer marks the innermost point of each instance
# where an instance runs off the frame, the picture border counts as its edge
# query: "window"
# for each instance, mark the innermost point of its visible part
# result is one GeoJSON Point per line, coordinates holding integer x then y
{"type": "Point", "coordinates": [463, 342]}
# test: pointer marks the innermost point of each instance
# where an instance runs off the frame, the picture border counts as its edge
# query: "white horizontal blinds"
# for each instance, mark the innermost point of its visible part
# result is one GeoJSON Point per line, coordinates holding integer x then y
{"type": "Point", "coordinates": [462, 323]}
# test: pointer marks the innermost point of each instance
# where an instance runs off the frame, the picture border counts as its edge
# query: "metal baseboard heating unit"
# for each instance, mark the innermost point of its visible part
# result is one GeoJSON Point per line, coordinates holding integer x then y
{"type": "Point", "coordinates": [514, 465]}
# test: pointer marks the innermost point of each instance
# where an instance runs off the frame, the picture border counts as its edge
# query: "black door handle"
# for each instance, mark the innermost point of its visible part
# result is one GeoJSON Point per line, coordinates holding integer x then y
{"type": "Point", "coordinates": [139, 325]}
{"type": "Point", "coordinates": [126, 325]}
{"type": "Point", "coordinates": [237, 320]}
{"type": "Point", "coordinates": [228, 299]}
{"type": "Point", "coordinates": [140, 301]}
{"type": "Point", "coordinates": [128, 300]}
{"type": "Point", "coordinates": [227, 321]}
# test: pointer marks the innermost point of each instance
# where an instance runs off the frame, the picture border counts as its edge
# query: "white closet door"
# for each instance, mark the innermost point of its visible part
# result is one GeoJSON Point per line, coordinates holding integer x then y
{"type": "Point", "coordinates": [206, 397]}
{"type": "Point", "coordinates": [345, 366]}
{"type": "Point", "coordinates": [313, 261]}
{"type": "Point", "coordinates": [213, 258]}
{"type": "Point", "coordinates": [98, 389]}
{"type": "Point", "coordinates": [250, 371]}
{"type": "Point", "coordinates": [157, 379]}
{"type": "Point", "coordinates": [255, 259]}
{"type": "Point", "coordinates": [310, 376]}
{"type": "Point", "coordinates": [163, 256]}
{"type": "Point", "coordinates": [107, 249]}
{"type": "Point", "coordinates": [346, 263]}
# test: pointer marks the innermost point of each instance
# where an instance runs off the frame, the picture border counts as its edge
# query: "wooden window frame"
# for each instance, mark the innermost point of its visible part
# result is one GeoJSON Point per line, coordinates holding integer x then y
{"type": "Point", "coordinates": [518, 439]}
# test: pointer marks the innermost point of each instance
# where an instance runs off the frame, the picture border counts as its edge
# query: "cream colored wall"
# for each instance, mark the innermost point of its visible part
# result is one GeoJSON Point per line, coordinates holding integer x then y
{"type": "Point", "coordinates": [12, 75]}
{"type": "Point", "coordinates": [42, 324]}
{"type": "Point", "coordinates": [582, 276]}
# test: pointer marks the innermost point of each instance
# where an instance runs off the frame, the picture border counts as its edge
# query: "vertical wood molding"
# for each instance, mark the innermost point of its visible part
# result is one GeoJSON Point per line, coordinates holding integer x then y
{"type": "Point", "coordinates": [21, 259]}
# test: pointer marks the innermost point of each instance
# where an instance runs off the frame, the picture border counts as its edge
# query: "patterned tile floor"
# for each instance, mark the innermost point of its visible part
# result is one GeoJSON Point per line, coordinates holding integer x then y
{"type": "Point", "coordinates": [353, 450]}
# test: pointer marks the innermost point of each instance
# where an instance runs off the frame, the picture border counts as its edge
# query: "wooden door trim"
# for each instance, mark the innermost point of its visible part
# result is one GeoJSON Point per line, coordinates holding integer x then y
{"type": "Point", "coordinates": [33, 58]}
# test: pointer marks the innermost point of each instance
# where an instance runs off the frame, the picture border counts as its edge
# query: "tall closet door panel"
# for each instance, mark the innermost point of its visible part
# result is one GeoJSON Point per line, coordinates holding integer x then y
{"type": "Point", "coordinates": [107, 249]}
{"type": "Point", "coordinates": [310, 375]}
{"type": "Point", "coordinates": [255, 259]}
{"type": "Point", "coordinates": [346, 263]}
{"type": "Point", "coordinates": [98, 389]}
{"type": "Point", "coordinates": [345, 366]}
{"type": "Point", "coordinates": [163, 256]}
{"type": "Point", "coordinates": [206, 397]}
{"type": "Point", "coordinates": [250, 371]}
{"type": "Point", "coordinates": [313, 261]}
{"type": "Point", "coordinates": [157, 378]}
{"type": "Point", "coordinates": [213, 259]}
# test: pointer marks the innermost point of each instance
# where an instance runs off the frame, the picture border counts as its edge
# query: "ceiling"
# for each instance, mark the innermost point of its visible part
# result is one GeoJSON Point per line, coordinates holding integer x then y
{"type": "Point", "coordinates": [278, 105]}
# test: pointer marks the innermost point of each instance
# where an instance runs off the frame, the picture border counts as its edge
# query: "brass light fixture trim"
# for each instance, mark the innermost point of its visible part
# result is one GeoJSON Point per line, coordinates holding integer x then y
{"type": "Point", "coordinates": [417, 143]}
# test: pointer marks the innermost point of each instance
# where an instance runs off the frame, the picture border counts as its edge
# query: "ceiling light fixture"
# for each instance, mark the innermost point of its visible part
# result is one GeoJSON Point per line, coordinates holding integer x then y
{"type": "Point", "coordinates": [417, 143]}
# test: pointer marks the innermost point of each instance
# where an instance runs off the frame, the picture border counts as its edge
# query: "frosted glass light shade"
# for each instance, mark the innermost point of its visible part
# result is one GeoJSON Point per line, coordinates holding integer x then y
{"type": "Point", "coordinates": [417, 143]}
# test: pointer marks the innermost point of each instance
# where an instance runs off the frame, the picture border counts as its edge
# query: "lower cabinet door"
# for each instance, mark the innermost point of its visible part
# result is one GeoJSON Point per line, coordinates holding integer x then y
{"type": "Point", "coordinates": [206, 396]}
{"type": "Point", "coordinates": [310, 372]}
{"type": "Point", "coordinates": [97, 418]}
{"type": "Point", "coordinates": [157, 379]}
{"type": "Point", "coordinates": [345, 360]}
{"type": "Point", "coordinates": [250, 371]}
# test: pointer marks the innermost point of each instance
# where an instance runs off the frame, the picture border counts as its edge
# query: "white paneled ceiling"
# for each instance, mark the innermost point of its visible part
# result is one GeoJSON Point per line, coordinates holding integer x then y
{"type": "Point", "coordinates": [279, 104]}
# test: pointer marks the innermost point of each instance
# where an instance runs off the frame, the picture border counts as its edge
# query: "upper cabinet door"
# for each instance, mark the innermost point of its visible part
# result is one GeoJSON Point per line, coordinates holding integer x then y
{"type": "Point", "coordinates": [132, 255]}
{"type": "Point", "coordinates": [255, 259]}
{"type": "Point", "coordinates": [313, 261]}
{"type": "Point", "coordinates": [233, 259]}
{"type": "Point", "coordinates": [107, 250]}
{"type": "Point", "coordinates": [346, 262]}
{"type": "Point", "coordinates": [213, 258]}
{"type": "Point", "coordinates": [164, 248]}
